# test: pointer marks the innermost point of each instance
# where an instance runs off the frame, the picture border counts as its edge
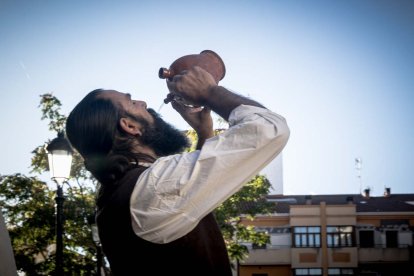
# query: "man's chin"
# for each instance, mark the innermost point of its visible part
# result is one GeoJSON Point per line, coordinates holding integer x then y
{"type": "Point", "coordinates": [163, 137]}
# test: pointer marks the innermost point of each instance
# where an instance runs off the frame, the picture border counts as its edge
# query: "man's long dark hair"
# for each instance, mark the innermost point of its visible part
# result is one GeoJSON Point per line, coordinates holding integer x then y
{"type": "Point", "coordinates": [93, 130]}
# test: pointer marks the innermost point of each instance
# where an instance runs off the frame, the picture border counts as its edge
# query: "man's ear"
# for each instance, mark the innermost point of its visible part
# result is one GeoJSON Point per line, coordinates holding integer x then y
{"type": "Point", "coordinates": [130, 126]}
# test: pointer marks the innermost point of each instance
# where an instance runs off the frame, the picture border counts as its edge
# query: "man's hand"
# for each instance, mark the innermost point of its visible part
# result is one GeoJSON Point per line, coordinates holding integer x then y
{"type": "Point", "coordinates": [192, 85]}
{"type": "Point", "coordinates": [198, 87]}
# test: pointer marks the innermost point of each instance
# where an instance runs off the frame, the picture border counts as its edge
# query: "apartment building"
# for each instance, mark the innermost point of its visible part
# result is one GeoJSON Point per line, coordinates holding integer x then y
{"type": "Point", "coordinates": [348, 234]}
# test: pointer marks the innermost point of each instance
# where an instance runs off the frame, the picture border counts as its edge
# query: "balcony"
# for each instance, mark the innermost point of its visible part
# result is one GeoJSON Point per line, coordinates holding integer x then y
{"type": "Point", "coordinates": [381, 254]}
{"type": "Point", "coordinates": [271, 255]}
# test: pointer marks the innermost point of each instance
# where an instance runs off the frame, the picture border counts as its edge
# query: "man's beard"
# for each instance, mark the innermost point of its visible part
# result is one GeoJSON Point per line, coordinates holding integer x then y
{"type": "Point", "coordinates": [162, 137]}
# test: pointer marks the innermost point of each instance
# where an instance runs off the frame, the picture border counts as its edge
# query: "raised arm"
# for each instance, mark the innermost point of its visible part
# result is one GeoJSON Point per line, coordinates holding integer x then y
{"type": "Point", "coordinates": [201, 121]}
{"type": "Point", "coordinates": [198, 86]}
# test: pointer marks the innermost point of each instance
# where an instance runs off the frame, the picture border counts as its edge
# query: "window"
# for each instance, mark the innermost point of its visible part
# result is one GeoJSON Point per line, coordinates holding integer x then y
{"type": "Point", "coordinates": [307, 271]}
{"type": "Point", "coordinates": [340, 271]}
{"type": "Point", "coordinates": [340, 236]}
{"type": "Point", "coordinates": [366, 238]}
{"type": "Point", "coordinates": [307, 236]}
{"type": "Point", "coordinates": [391, 238]}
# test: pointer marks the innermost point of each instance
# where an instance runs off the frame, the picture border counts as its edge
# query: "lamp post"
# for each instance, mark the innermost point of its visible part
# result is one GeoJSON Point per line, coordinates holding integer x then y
{"type": "Point", "coordinates": [59, 153]}
{"type": "Point", "coordinates": [95, 237]}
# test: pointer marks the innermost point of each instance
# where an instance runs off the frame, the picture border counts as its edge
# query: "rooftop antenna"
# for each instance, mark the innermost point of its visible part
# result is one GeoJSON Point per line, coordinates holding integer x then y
{"type": "Point", "coordinates": [358, 167]}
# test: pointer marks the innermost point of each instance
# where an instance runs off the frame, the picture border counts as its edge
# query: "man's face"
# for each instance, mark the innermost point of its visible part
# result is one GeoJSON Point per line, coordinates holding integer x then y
{"type": "Point", "coordinates": [162, 137]}
{"type": "Point", "coordinates": [128, 105]}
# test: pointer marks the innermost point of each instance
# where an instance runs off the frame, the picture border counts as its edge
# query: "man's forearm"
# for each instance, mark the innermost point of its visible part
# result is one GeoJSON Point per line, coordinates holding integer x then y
{"type": "Point", "coordinates": [222, 101]}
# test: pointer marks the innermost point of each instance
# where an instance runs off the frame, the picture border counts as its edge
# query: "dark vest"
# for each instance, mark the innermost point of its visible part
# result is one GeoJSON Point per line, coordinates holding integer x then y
{"type": "Point", "coordinates": [201, 252]}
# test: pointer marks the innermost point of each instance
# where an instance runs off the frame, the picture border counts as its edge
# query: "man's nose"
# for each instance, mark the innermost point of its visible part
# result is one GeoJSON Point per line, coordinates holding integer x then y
{"type": "Point", "coordinates": [141, 104]}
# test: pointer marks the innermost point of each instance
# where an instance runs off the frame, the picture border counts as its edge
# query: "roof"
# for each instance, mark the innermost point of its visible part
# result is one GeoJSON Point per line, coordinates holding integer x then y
{"type": "Point", "coordinates": [390, 203]}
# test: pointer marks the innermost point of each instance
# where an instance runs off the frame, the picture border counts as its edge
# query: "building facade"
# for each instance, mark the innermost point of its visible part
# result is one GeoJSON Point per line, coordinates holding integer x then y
{"type": "Point", "coordinates": [334, 235]}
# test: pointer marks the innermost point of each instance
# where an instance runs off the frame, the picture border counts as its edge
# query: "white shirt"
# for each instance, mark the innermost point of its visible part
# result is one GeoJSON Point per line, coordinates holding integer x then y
{"type": "Point", "coordinates": [177, 191]}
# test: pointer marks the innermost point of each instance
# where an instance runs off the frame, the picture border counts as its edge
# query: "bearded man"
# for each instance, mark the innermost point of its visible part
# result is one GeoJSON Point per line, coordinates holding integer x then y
{"type": "Point", "coordinates": [155, 201]}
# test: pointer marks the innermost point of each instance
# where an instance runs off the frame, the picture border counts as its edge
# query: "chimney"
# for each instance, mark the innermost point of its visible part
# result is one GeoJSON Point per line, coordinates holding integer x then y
{"type": "Point", "coordinates": [350, 199]}
{"type": "Point", "coordinates": [366, 192]}
{"type": "Point", "coordinates": [308, 199]}
{"type": "Point", "coordinates": [387, 192]}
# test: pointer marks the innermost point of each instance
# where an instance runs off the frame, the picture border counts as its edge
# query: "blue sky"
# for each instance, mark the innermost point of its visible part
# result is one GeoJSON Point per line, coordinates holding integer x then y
{"type": "Point", "coordinates": [340, 72]}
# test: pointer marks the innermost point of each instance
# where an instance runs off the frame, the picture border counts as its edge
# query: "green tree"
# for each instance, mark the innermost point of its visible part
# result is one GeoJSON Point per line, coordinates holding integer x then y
{"type": "Point", "coordinates": [28, 205]}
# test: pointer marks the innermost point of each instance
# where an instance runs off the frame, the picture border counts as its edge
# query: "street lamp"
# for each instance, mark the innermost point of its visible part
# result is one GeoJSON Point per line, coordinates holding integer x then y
{"type": "Point", "coordinates": [99, 254]}
{"type": "Point", "coordinates": [59, 154]}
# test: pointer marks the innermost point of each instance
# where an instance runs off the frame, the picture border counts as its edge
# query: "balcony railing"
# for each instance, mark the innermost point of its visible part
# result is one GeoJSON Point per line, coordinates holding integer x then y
{"type": "Point", "coordinates": [380, 253]}
{"type": "Point", "coordinates": [273, 254]}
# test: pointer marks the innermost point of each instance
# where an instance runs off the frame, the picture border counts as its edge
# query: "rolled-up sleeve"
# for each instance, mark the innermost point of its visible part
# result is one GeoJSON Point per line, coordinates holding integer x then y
{"type": "Point", "coordinates": [177, 191]}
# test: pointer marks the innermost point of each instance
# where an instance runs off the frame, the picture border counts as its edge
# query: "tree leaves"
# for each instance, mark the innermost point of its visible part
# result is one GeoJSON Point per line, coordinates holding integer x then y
{"type": "Point", "coordinates": [50, 107]}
